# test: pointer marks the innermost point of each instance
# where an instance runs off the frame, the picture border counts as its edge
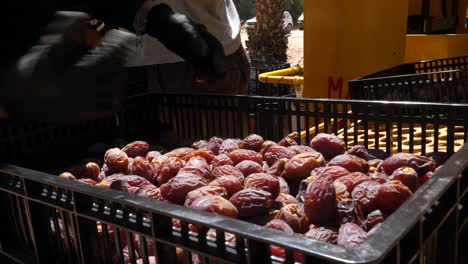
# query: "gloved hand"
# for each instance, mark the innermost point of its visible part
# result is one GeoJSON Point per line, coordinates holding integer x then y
{"type": "Point", "coordinates": [188, 39]}
{"type": "Point", "coordinates": [60, 79]}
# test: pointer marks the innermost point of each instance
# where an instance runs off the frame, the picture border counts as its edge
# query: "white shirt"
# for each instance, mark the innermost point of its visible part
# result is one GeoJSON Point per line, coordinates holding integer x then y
{"type": "Point", "coordinates": [220, 17]}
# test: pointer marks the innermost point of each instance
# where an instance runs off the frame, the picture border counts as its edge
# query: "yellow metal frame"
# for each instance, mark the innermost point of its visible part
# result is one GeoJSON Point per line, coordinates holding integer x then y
{"type": "Point", "coordinates": [281, 76]}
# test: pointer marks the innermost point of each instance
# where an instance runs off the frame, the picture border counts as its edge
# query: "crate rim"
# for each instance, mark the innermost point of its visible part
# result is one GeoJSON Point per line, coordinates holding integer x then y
{"type": "Point", "coordinates": [401, 76]}
{"type": "Point", "coordinates": [372, 250]}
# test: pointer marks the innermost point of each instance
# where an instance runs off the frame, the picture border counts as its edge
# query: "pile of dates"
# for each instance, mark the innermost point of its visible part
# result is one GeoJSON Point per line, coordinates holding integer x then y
{"type": "Point", "coordinates": [323, 191]}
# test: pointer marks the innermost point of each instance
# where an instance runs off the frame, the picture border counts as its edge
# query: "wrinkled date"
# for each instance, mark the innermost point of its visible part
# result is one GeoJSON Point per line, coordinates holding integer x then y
{"type": "Point", "coordinates": [168, 170]}
{"type": "Point", "coordinates": [300, 166]}
{"type": "Point", "coordinates": [350, 212]}
{"type": "Point", "coordinates": [408, 176]}
{"type": "Point", "coordinates": [350, 162]}
{"type": "Point", "coordinates": [284, 199]}
{"type": "Point", "coordinates": [320, 202]}
{"type": "Point", "coordinates": [266, 145]}
{"type": "Point", "coordinates": [227, 170]}
{"type": "Point", "coordinates": [278, 167]}
{"type": "Point", "coordinates": [295, 217]}
{"type": "Point", "coordinates": [329, 145]}
{"type": "Point", "coordinates": [341, 191]}
{"type": "Point", "coordinates": [131, 180]}
{"type": "Point", "coordinates": [231, 183]}
{"type": "Point", "coordinates": [87, 181]}
{"type": "Point", "coordinates": [152, 155]}
{"type": "Point", "coordinates": [204, 153]}
{"type": "Point", "coordinates": [284, 187]}
{"type": "Point", "coordinates": [275, 153]}
{"type": "Point", "coordinates": [289, 140]}
{"type": "Point", "coordinates": [229, 145]}
{"type": "Point", "coordinates": [322, 234]}
{"type": "Point", "coordinates": [239, 155]}
{"type": "Point", "coordinates": [301, 149]}
{"type": "Point", "coordinates": [136, 148]}
{"type": "Point", "coordinates": [203, 191]}
{"type": "Point", "coordinates": [367, 195]}
{"type": "Point", "coordinates": [419, 163]}
{"type": "Point", "coordinates": [200, 144]}
{"type": "Point", "coordinates": [198, 162]}
{"type": "Point", "coordinates": [142, 167]}
{"type": "Point", "coordinates": [280, 225]}
{"type": "Point", "coordinates": [214, 143]}
{"type": "Point", "coordinates": [216, 205]}
{"type": "Point", "coordinates": [351, 235]}
{"type": "Point", "coordinates": [375, 164]}
{"type": "Point", "coordinates": [179, 153]}
{"type": "Point", "coordinates": [116, 160]}
{"type": "Point", "coordinates": [150, 191]}
{"type": "Point", "coordinates": [353, 179]}
{"type": "Point", "coordinates": [264, 182]}
{"type": "Point", "coordinates": [332, 171]}
{"type": "Point", "coordinates": [177, 188]}
{"type": "Point", "coordinates": [220, 160]}
{"type": "Point", "coordinates": [248, 167]}
{"type": "Point", "coordinates": [359, 151]}
{"type": "Point", "coordinates": [391, 195]}
{"type": "Point", "coordinates": [374, 218]}
{"type": "Point", "coordinates": [252, 142]}
{"type": "Point", "coordinates": [251, 202]}
{"type": "Point", "coordinates": [67, 175]}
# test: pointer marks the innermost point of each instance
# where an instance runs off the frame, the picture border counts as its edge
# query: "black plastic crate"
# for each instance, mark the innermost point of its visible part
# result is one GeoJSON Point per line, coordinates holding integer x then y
{"type": "Point", "coordinates": [267, 89]}
{"type": "Point", "coordinates": [430, 227]}
{"type": "Point", "coordinates": [442, 80]}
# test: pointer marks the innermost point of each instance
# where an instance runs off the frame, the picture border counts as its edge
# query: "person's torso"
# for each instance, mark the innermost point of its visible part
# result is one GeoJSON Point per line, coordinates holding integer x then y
{"type": "Point", "coordinates": [219, 16]}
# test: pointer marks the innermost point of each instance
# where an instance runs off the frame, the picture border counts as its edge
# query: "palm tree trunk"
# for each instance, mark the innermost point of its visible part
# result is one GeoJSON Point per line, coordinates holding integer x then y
{"type": "Point", "coordinates": [268, 41]}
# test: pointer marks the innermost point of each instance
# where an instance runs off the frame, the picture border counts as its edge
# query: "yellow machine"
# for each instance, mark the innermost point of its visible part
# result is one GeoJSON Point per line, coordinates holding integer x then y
{"type": "Point", "coordinates": [344, 40]}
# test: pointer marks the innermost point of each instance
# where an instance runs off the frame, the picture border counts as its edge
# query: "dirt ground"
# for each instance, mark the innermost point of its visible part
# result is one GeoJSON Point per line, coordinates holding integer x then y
{"type": "Point", "coordinates": [296, 46]}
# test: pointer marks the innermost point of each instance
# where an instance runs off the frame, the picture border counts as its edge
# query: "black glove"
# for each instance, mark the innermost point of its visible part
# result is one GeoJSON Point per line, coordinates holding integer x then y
{"type": "Point", "coordinates": [188, 39]}
{"type": "Point", "coordinates": [61, 79]}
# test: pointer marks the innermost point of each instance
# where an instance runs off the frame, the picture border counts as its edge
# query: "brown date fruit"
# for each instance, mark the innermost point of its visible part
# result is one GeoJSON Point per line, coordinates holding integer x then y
{"type": "Point", "coordinates": [67, 175]}
{"type": "Point", "coordinates": [226, 170]}
{"type": "Point", "coordinates": [220, 160]}
{"type": "Point", "coordinates": [280, 225]}
{"type": "Point", "coordinates": [289, 140]}
{"type": "Point", "coordinates": [301, 149]}
{"type": "Point", "coordinates": [168, 170]}
{"type": "Point", "coordinates": [204, 153]}
{"type": "Point", "coordinates": [295, 217]}
{"type": "Point", "coordinates": [284, 199]}
{"type": "Point", "coordinates": [329, 145]}
{"type": "Point", "coordinates": [177, 188]}
{"type": "Point", "coordinates": [341, 191]}
{"type": "Point", "coordinates": [197, 162]}
{"type": "Point", "coordinates": [275, 153]}
{"type": "Point", "coordinates": [350, 162]}
{"type": "Point", "coordinates": [266, 145]}
{"type": "Point", "coordinates": [379, 177]}
{"type": "Point", "coordinates": [300, 166]}
{"type": "Point", "coordinates": [116, 160]}
{"type": "Point", "coordinates": [239, 155]}
{"type": "Point", "coordinates": [252, 202]}
{"type": "Point", "coordinates": [150, 191]}
{"type": "Point", "coordinates": [374, 164]}
{"type": "Point", "coordinates": [351, 235]}
{"type": "Point", "coordinates": [141, 167]}
{"type": "Point", "coordinates": [179, 153]}
{"type": "Point", "coordinates": [203, 191]}
{"type": "Point", "coordinates": [277, 168]}
{"type": "Point", "coordinates": [132, 180]}
{"type": "Point", "coordinates": [214, 143]}
{"type": "Point", "coordinates": [419, 163]}
{"type": "Point", "coordinates": [349, 211]}
{"type": "Point", "coordinates": [391, 195]}
{"type": "Point", "coordinates": [136, 148]}
{"type": "Point", "coordinates": [423, 179]}
{"type": "Point", "coordinates": [248, 167]}
{"type": "Point", "coordinates": [264, 182]}
{"type": "Point", "coordinates": [252, 142]}
{"type": "Point", "coordinates": [202, 172]}
{"type": "Point", "coordinates": [231, 183]}
{"type": "Point", "coordinates": [159, 161]}
{"type": "Point", "coordinates": [91, 170]}
{"type": "Point", "coordinates": [332, 171]}
{"type": "Point", "coordinates": [353, 179]}
{"type": "Point", "coordinates": [284, 186]}
{"type": "Point", "coordinates": [87, 181]}
{"type": "Point", "coordinates": [229, 145]}
{"type": "Point", "coordinates": [263, 219]}
{"type": "Point", "coordinates": [359, 151]}
{"type": "Point", "coordinates": [303, 188]}
{"type": "Point", "coordinates": [150, 156]}
{"type": "Point", "coordinates": [367, 195]}
{"type": "Point", "coordinates": [320, 201]}
{"type": "Point", "coordinates": [216, 205]}
{"type": "Point", "coordinates": [408, 176]}
{"type": "Point", "coordinates": [322, 234]}
{"type": "Point", "coordinates": [200, 144]}
{"type": "Point", "coordinates": [374, 218]}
